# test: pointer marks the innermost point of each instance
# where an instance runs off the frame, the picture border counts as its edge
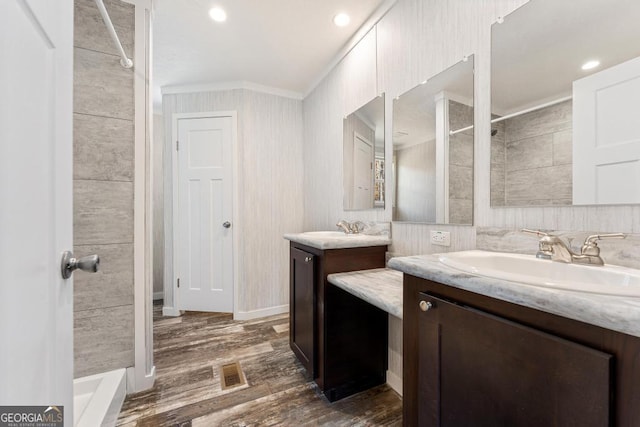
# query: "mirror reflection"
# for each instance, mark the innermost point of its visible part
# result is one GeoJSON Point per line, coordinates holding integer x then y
{"type": "Point", "coordinates": [363, 156]}
{"type": "Point", "coordinates": [433, 149]}
{"type": "Point", "coordinates": [565, 104]}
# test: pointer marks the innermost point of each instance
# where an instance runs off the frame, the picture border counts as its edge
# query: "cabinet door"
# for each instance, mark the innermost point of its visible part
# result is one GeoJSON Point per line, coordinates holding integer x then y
{"type": "Point", "coordinates": [302, 321]}
{"type": "Point", "coordinates": [476, 369]}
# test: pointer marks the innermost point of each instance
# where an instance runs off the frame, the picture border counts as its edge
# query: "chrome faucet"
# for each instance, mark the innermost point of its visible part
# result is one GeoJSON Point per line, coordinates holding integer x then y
{"type": "Point", "coordinates": [351, 227]}
{"type": "Point", "coordinates": [554, 248]}
{"type": "Point", "coordinates": [345, 226]}
{"type": "Point", "coordinates": [358, 226]}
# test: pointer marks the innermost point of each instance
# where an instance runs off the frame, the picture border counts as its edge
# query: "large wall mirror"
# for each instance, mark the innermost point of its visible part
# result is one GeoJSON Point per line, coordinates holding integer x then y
{"type": "Point", "coordinates": [566, 104]}
{"type": "Point", "coordinates": [363, 156]}
{"type": "Point", "coordinates": [433, 149]}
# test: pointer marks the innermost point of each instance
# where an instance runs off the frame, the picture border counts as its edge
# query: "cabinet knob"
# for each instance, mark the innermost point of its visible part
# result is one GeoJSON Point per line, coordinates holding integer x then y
{"type": "Point", "coordinates": [307, 259]}
{"type": "Point", "coordinates": [425, 305]}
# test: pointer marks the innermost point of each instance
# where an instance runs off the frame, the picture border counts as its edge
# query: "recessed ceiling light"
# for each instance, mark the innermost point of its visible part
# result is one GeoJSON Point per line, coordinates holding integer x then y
{"type": "Point", "coordinates": [590, 65]}
{"type": "Point", "coordinates": [218, 14]}
{"type": "Point", "coordinates": [341, 19]}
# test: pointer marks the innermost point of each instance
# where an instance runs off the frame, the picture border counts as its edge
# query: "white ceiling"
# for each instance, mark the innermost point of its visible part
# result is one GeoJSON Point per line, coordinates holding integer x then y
{"type": "Point", "coordinates": [283, 44]}
{"type": "Point", "coordinates": [538, 51]}
{"type": "Point", "coordinates": [414, 112]}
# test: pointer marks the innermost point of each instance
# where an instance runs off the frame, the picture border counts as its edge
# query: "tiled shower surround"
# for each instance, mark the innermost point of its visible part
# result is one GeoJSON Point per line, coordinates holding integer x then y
{"type": "Point", "coordinates": [460, 164]}
{"type": "Point", "coordinates": [103, 171]}
{"type": "Point", "coordinates": [531, 158]}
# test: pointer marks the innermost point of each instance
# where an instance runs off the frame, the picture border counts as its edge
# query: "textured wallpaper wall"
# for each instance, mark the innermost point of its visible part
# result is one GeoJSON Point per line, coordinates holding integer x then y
{"type": "Point", "coordinates": [270, 190]}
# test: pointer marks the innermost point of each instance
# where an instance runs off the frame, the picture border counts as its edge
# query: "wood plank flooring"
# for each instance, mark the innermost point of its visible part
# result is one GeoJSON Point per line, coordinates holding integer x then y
{"type": "Point", "coordinates": [188, 353]}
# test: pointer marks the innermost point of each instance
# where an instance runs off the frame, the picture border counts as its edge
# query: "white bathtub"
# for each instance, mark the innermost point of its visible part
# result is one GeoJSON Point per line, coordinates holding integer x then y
{"type": "Point", "coordinates": [97, 399]}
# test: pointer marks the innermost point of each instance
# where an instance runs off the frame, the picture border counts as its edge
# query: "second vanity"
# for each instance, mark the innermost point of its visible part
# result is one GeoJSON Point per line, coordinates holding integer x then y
{"type": "Point", "coordinates": [340, 339]}
{"type": "Point", "coordinates": [484, 351]}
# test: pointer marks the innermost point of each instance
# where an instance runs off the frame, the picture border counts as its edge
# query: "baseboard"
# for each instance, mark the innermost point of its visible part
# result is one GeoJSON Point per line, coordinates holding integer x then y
{"type": "Point", "coordinates": [395, 382]}
{"type": "Point", "coordinates": [136, 385]}
{"type": "Point", "coordinates": [170, 311]}
{"type": "Point", "coordinates": [263, 312]}
{"type": "Point", "coordinates": [158, 295]}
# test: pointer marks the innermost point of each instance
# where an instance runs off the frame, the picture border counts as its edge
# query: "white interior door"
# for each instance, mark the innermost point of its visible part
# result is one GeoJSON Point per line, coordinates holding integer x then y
{"type": "Point", "coordinates": [606, 136]}
{"type": "Point", "coordinates": [36, 304]}
{"type": "Point", "coordinates": [204, 230]}
{"type": "Point", "coordinates": [362, 173]}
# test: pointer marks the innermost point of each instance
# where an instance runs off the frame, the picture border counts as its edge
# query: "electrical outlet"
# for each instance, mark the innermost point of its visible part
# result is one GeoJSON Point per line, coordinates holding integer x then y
{"type": "Point", "coordinates": [441, 238]}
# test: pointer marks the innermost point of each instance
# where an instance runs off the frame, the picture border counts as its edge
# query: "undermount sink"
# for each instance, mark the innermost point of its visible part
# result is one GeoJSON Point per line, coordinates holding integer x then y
{"type": "Point", "coordinates": [529, 270]}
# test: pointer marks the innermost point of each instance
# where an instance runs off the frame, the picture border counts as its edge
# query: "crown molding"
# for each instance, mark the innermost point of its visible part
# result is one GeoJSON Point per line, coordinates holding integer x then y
{"type": "Point", "coordinates": [368, 25]}
{"type": "Point", "coordinates": [216, 87]}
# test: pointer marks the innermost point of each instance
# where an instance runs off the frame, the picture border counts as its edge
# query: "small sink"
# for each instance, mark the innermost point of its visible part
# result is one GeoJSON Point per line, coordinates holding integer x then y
{"type": "Point", "coordinates": [328, 234]}
{"type": "Point", "coordinates": [529, 270]}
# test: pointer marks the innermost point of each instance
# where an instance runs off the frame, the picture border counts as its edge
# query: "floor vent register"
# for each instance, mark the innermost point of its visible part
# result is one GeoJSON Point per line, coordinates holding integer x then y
{"type": "Point", "coordinates": [231, 375]}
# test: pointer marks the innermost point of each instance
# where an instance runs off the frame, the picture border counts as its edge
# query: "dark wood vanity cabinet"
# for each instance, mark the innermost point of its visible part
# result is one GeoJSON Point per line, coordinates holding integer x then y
{"type": "Point", "coordinates": [302, 316]}
{"type": "Point", "coordinates": [339, 339]}
{"type": "Point", "coordinates": [471, 360]}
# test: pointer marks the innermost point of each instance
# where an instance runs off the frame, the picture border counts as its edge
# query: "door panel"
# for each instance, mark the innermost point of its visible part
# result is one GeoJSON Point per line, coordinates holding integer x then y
{"type": "Point", "coordinates": [482, 370]}
{"type": "Point", "coordinates": [36, 42]}
{"type": "Point", "coordinates": [606, 142]}
{"type": "Point", "coordinates": [205, 246]}
{"type": "Point", "coordinates": [303, 310]}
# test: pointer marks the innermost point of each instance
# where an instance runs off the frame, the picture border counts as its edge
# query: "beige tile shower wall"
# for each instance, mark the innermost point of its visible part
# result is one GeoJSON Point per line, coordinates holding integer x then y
{"type": "Point", "coordinates": [270, 188]}
{"type": "Point", "coordinates": [103, 189]}
{"type": "Point", "coordinates": [460, 164]}
{"type": "Point", "coordinates": [498, 158]}
{"type": "Point", "coordinates": [538, 157]}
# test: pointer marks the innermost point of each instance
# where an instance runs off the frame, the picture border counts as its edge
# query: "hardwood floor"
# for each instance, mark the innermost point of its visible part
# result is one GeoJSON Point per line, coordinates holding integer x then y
{"type": "Point", "coordinates": [189, 351]}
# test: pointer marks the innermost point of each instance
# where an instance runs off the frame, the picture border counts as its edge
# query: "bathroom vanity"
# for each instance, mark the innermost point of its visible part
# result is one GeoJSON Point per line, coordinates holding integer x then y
{"type": "Point", "coordinates": [483, 351]}
{"type": "Point", "coordinates": [340, 339]}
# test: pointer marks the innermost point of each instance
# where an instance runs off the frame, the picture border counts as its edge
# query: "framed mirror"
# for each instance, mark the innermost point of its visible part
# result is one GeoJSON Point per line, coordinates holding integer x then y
{"type": "Point", "coordinates": [565, 104]}
{"type": "Point", "coordinates": [363, 157]}
{"type": "Point", "coordinates": [433, 149]}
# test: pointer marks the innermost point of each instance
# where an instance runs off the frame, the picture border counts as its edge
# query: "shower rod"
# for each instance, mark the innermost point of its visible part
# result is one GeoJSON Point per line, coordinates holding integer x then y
{"type": "Point", "coordinates": [124, 60]}
{"type": "Point", "coordinates": [508, 116]}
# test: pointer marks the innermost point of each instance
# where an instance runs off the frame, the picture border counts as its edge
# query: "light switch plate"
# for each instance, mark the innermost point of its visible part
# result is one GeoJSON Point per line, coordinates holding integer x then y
{"type": "Point", "coordinates": [441, 238]}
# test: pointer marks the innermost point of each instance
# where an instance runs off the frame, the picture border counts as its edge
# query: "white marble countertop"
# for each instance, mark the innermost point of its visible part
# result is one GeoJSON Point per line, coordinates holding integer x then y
{"type": "Point", "coordinates": [338, 240]}
{"type": "Point", "coordinates": [620, 314]}
{"type": "Point", "coordinates": [381, 287]}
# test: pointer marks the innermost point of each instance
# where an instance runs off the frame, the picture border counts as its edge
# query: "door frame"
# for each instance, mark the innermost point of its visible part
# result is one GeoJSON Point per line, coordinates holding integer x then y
{"type": "Point", "coordinates": [356, 136]}
{"type": "Point", "coordinates": [171, 260]}
{"type": "Point", "coordinates": [141, 376]}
